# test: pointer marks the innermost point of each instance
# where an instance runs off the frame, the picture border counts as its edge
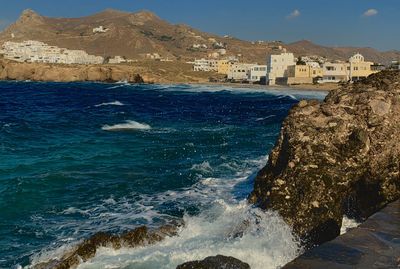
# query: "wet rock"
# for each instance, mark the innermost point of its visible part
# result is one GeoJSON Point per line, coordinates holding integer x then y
{"type": "Point", "coordinates": [216, 262]}
{"type": "Point", "coordinates": [374, 244]}
{"type": "Point", "coordinates": [342, 155]}
{"type": "Point", "coordinates": [86, 250]}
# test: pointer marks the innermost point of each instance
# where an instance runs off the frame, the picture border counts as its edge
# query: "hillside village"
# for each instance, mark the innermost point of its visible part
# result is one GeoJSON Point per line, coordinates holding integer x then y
{"type": "Point", "coordinates": [120, 38]}
{"type": "Point", "coordinates": [284, 69]}
{"type": "Point", "coordinates": [281, 68]}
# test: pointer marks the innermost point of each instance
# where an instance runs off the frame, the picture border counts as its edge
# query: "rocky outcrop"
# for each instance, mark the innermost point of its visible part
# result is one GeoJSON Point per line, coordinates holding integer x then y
{"type": "Point", "coordinates": [138, 72]}
{"type": "Point", "coordinates": [215, 262]}
{"type": "Point", "coordinates": [140, 236]}
{"type": "Point", "coordinates": [341, 156]}
{"type": "Point", "coordinates": [67, 73]}
{"type": "Point", "coordinates": [374, 244]}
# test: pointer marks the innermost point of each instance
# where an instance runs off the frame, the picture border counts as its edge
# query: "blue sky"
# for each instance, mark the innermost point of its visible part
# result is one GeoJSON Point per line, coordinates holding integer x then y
{"type": "Point", "coordinates": [367, 23]}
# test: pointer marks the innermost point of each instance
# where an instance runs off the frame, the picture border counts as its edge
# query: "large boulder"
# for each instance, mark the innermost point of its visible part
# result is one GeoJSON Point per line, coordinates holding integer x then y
{"type": "Point", "coordinates": [215, 262]}
{"type": "Point", "coordinates": [341, 156]}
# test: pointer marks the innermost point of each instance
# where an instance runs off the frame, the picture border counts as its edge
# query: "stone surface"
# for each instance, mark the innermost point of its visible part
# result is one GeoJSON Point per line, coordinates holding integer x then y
{"type": "Point", "coordinates": [215, 262]}
{"type": "Point", "coordinates": [86, 250]}
{"type": "Point", "coordinates": [374, 244]}
{"type": "Point", "coordinates": [138, 72]}
{"type": "Point", "coordinates": [341, 156]}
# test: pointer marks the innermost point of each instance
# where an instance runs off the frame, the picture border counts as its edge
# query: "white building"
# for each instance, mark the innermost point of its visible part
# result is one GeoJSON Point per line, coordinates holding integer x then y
{"type": "Point", "coordinates": [100, 29]}
{"type": "Point", "coordinates": [239, 72]}
{"type": "Point", "coordinates": [278, 65]}
{"type": "Point", "coordinates": [257, 73]}
{"type": "Point", "coordinates": [206, 65]}
{"type": "Point", "coordinates": [153, 56]}
{"type": "Point", "coordinates": [35, 51]}
{"type": "Point", "coordinates": [335, 72]}
{"type": "Point", "coordinates": [117, 60]}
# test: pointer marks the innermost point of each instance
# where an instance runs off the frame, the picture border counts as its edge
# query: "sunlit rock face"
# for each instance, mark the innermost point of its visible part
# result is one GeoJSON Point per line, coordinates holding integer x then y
{"type": "Point", "coordinates": [333, 158]}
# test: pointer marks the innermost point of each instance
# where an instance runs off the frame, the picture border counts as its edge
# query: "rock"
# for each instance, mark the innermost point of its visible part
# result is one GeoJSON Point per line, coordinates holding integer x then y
{"type": "Point", "coordinates": [349, 167]}
{"type": "Point", "coordinates": [374, 244]}
{"type": "Point", "coordinates": [216, 262]}
{"type": "Point", "coordinates": [67, 73]}
{"type": "Point", "coordinates": [86, 250]}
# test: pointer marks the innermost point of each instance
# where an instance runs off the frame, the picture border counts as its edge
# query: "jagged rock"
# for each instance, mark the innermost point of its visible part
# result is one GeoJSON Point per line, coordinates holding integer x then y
{"type": "Point", "coordinates": [216, 262]}
{"type": "Point", "coordinates": [341, 156]}
{"type": "Point", "coordinates": [86, 250]}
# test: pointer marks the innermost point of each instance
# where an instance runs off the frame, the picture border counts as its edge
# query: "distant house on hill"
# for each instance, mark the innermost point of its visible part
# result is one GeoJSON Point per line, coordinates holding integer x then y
{"type": "Point", "coordinates": [100, 29]}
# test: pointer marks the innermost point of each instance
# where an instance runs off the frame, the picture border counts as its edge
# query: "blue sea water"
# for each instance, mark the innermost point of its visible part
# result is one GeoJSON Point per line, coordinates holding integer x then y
{"type": "Point", "coordinates": [77, 158]}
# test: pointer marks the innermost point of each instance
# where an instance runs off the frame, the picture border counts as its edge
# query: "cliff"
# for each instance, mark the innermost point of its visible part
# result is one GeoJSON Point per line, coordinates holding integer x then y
{"type": "Point", "coordinates": [145, 71]}
{"type": "Point", "coordinates": [335, 158]}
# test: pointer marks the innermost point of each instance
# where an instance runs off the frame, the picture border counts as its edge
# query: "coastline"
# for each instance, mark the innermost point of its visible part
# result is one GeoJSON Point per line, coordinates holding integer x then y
{"type": "Point", "coordinates": [150, 72]}
{"type": "Point", "coordinates": [301, 87]}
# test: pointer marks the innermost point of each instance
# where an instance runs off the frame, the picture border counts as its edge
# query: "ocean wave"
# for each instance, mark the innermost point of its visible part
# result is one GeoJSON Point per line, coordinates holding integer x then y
{"type": "Point", "coordinates": [264, 118]}
{"type": "Point", "coordinates": [128, 125]}
{"type": "Point", "coordinates": [115, 103]}
{"type": "Point", "coordinates": [348, 224]}
{"type": "Point", "coordinates": [121, 214]}
{"type": "Point", "coordinates": [259, 238]}
{"type": "Point", "coordinates": [204, 168]}
{"type": "Point", "coordinates": [294, 94]}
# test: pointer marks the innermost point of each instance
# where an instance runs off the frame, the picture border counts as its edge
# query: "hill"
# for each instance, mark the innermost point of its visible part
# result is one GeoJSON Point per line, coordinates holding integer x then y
{"type": "Point", "coordinates": [305, 47]}
{"type": "Point", "coordinates": [134, 35]}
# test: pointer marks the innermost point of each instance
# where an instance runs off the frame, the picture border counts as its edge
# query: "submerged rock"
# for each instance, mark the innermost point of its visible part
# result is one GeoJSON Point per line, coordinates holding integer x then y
{"type": "Point", "coordinates": [341, 156]}
{"type": "Point", "coordinates": [215, 262]}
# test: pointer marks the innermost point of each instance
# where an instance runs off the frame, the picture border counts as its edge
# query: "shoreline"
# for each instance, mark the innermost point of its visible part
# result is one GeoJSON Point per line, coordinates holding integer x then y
{"type": "Point", "coordinates": [302, 87]}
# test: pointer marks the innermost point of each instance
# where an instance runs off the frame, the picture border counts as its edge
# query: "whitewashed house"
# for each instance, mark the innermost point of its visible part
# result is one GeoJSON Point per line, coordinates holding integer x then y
{"type": "Point", "coordinates": [335, 72]}
{"type": "Point", "coordinates": [206, 65]}
{"type": "Point", "coordinates": [278, 65]}
{"type": "Point", "coordinates": [239, 72]}
{"type": "Point", "coordinates": [100, 29]}
{"type": "Point", "coordinates": [257, 73]}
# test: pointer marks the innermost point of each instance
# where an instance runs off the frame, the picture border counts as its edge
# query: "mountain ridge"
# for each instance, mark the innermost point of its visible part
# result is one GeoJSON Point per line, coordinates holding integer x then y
{"type": "Point", "coordinates": [134, 35]}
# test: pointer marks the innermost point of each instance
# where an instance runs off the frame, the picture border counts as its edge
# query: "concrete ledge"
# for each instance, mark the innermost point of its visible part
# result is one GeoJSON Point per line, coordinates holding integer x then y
{"type": "Point", "coordinates": [374, 244]}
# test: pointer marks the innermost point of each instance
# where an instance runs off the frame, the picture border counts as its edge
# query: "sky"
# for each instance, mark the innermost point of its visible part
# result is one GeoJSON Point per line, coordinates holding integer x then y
{"type": "Point", "coordinates": [362, 23]}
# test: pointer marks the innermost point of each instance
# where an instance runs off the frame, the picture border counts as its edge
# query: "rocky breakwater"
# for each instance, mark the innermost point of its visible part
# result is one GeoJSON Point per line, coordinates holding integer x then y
{"type": "Point", "coordinates": [335, 158]}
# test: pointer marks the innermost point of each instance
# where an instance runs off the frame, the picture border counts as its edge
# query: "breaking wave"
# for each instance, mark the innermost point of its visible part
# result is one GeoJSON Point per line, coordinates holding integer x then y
{"type": "Point", "coordinates": [259, 238]}
{"type": "Point", "coordinates": [348, 224]}
{"type": "Point", "coordinates": [115, 103]}
{"type": "Point", "coordinates": [128, 125]}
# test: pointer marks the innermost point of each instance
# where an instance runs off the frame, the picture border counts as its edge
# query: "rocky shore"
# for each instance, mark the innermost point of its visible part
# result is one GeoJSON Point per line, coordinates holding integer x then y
{"type": "Point", "coordinates": [335, 158]}
{"type": "Point", "coordinates": [145, 71]}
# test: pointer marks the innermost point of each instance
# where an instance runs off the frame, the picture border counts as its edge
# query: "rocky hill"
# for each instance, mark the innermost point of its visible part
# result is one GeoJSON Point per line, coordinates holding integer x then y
{"type": "Point", "coordinates": [340, 157]}
{"type": "Point", "coordinates": [133, 35]}
{"type": "Point", "coordinates": [305, 47]}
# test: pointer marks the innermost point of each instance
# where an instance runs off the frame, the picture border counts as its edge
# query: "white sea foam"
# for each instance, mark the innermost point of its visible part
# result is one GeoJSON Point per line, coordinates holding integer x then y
{"type": "Point", "coordinates": [115, 103]}
{"type": "Point", "coordinates": [203, 167]}
{"type": "Point", "coordinates": [264, 118]}
{"type": "Point", "coordinates": [117, 86]}
{"type": "Point", "coordinates": [121, 214]}
{"type": "Point", "coordinates": [259, 238]}
{"type": "Point", "coordinates": [348, 224]}
{"type": "Point", "coordinates": [295, 94]}
{"type": "Point", "coordinates": [128, 125]}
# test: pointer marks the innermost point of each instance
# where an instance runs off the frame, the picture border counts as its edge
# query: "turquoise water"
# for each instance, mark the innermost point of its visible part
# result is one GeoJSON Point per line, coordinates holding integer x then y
{"type": "Point", "coordinates": [77, 158]}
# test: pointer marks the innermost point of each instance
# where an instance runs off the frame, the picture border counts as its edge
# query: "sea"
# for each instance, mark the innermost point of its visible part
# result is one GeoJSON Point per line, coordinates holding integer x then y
{"type": "Point", "coordinates": [79, 158]}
